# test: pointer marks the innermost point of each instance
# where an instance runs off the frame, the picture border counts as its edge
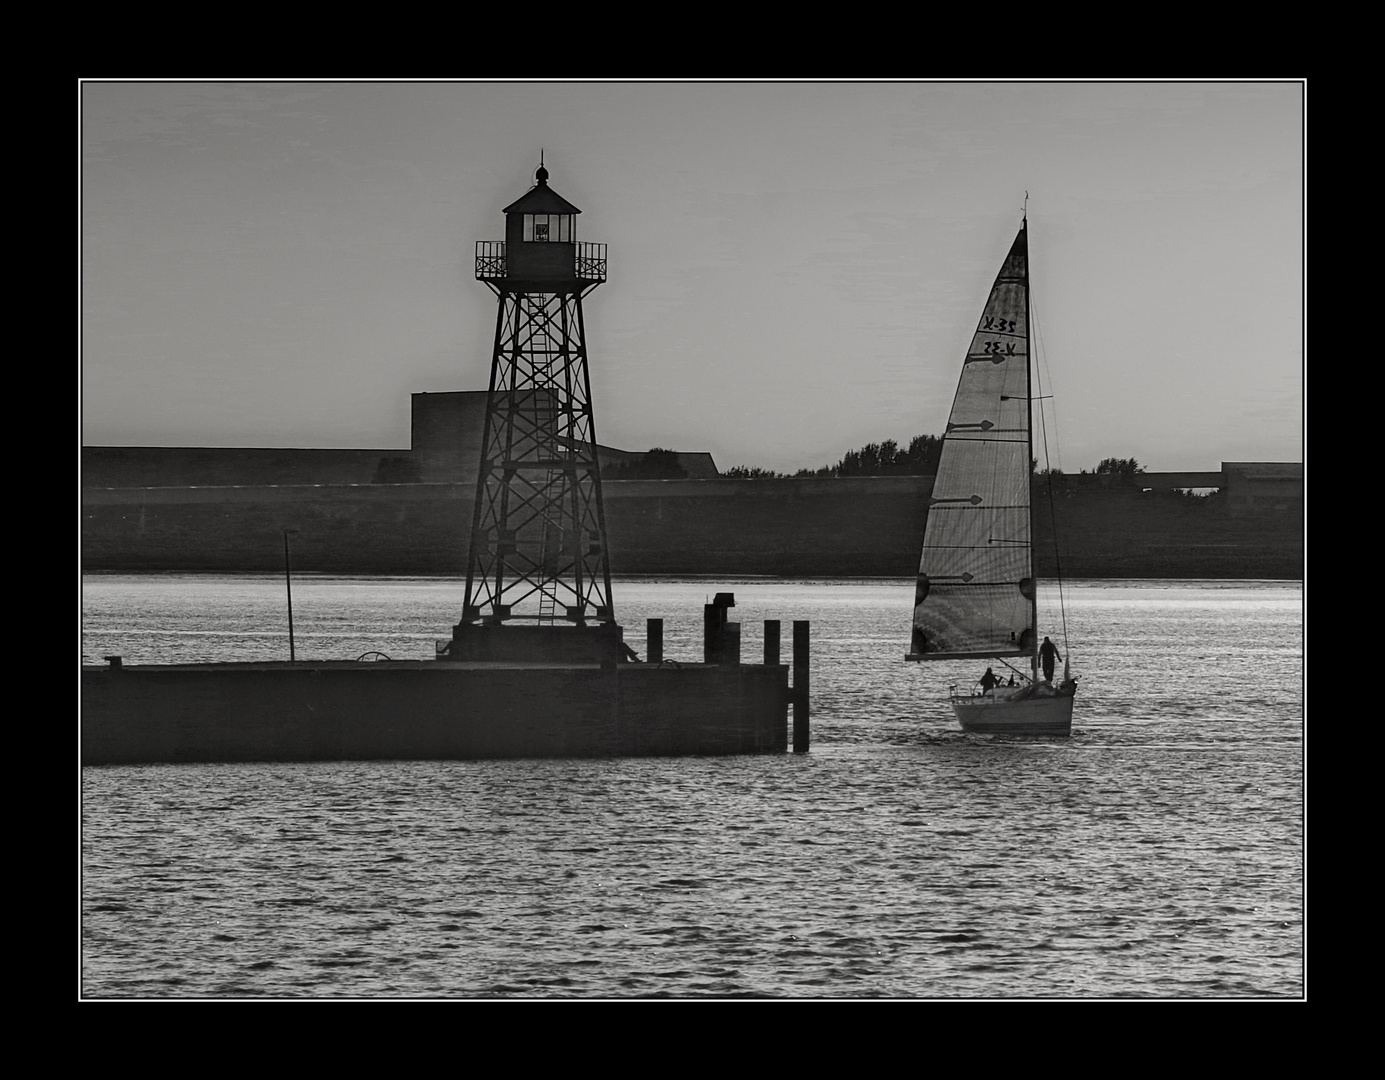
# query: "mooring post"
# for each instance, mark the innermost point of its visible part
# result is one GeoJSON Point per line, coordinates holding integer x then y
{"type": "Point", "coordinates": [714, 628]}
{"type": "Point", "coordinates": [800, 686]}
{"type": "Point", "coordinates": [771, 643]}
{"type": "Point", "coordinates": [731, 644]}
{"type": "Point", "coordinates": [654, 641]}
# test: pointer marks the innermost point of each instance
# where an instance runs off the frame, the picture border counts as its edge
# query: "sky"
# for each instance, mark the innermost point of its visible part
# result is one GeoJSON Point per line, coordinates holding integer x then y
{"type": "Point", "coordinates": [795, 268]}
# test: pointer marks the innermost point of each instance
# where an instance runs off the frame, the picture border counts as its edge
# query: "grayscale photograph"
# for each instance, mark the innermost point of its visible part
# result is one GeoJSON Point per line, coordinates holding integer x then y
{"type": "Point", "coordinates": [692, 540]}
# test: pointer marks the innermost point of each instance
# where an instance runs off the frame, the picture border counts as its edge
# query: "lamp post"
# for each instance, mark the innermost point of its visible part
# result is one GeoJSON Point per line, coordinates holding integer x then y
{"type": "Point", "coordinates": [288, 590]}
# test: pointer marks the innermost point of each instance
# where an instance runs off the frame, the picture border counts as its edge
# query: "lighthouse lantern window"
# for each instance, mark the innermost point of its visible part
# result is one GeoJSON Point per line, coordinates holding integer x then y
{"type": "Point", "coordinates": [542, 228]}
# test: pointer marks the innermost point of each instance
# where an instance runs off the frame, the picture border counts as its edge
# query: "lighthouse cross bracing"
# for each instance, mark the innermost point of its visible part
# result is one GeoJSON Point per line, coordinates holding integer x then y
{"type": "Point", "coordinates": [538, 543]}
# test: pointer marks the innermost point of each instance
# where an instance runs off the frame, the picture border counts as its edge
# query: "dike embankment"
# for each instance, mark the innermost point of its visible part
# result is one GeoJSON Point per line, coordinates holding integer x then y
{"type": "Point", "coordinates": [816, 527]}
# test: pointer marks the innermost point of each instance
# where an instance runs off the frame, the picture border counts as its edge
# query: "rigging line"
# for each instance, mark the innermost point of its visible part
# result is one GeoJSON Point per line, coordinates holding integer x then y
{"type": "Point", "coordinates": [1017, 671]}
{"type": "Point", "coordinates": [1048, 474]}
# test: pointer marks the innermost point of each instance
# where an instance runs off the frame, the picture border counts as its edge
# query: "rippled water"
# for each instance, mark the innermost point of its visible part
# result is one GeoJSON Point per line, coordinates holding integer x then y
{"type": "Point", "coordinates": [1158, 852]}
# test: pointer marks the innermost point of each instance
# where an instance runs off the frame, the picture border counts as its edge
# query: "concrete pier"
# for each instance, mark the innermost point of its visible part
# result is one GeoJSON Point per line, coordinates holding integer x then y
{"type": "Point", "coordinates": [495, 691]}
{"type": "Point", "coordinates": [428, 710]}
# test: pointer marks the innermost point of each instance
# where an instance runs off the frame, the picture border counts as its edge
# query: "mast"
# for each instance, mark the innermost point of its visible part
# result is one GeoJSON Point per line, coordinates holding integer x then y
{"type": "Point", "coordinates": [1029, 455]}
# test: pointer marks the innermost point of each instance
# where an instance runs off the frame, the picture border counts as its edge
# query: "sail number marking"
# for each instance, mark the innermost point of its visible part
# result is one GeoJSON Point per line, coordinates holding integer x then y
{"type": "Point", "coordinates": [999, 326]}
{"type": "Point", "coordinates": [999, 348]}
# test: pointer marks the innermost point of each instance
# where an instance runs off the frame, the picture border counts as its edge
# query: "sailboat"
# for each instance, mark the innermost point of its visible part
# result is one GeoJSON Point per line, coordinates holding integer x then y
{"type": "Point", "coordinates": [976, 597]}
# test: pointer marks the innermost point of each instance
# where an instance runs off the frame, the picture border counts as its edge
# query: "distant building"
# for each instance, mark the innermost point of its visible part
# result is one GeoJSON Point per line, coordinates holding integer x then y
{"type": "Point", "coordinates": [1263, 485]}
{"type": "Point", "coordinates": [445, 444]}
{"type": "Point", "coordinates": [1246, 485]}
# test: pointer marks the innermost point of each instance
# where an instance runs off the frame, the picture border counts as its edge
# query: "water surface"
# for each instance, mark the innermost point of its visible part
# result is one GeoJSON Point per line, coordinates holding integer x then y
{"type": "Point", "coordinates": [1158, 852]}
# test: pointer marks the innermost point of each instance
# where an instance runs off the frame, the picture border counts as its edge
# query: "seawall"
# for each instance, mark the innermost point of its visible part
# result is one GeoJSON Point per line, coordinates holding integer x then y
{"type": "Point", "coordinates": [829, 527]}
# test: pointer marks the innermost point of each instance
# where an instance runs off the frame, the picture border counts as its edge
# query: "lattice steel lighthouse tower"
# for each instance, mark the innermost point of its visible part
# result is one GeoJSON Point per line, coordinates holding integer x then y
{"type": "Point", "coordinates": [538, 583]}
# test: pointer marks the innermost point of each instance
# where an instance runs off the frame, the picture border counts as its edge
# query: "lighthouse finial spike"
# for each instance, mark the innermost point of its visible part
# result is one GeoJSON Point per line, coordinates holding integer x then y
{"type": "Point", "coordinates": [541, 176]}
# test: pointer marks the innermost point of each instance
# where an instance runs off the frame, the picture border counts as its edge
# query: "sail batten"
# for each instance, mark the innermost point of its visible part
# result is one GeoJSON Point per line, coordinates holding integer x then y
{"type": "Point", "coordinates": [975, 591]}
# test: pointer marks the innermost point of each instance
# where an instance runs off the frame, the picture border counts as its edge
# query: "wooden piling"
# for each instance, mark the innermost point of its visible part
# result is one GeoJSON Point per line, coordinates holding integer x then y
{"type": "Point", "coordinates": [800, 686]}
{"type": "Point", "coordinates": [654, 641]}
{"type": "Point", "coordinates": [714, 629]}
{"type": "Point", "coordinates": [771, 642]}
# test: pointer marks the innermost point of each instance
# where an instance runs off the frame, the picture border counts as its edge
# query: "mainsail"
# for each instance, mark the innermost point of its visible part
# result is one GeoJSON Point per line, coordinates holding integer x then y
{"type": "Point", "coordinates": [975, 592]}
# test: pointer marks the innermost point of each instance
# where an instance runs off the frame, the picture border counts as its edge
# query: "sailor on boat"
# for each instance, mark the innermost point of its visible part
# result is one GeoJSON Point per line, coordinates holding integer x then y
{"type": "Point", "coordinates": [1048, 653]}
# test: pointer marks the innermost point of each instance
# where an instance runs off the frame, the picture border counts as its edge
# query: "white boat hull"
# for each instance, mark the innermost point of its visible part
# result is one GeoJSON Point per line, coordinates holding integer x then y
{"type": "Point", "coordinates": [1005, 716]}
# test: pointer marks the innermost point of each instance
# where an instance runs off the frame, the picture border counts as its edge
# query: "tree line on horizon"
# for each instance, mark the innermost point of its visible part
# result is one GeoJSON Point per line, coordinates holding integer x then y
{"type": "Point", "coordinates": [920, 458]}
{"type": "Point", "coordinates": [887, 458]}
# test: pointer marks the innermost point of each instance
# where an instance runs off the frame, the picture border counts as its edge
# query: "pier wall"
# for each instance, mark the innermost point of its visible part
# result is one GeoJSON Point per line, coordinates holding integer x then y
{"type": "Point", "coordinates": [427, 710]}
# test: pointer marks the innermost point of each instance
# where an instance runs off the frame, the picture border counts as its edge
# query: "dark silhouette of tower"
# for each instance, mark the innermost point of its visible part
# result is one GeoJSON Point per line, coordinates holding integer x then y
{"type": "Point", "coordinates": [538, 581]}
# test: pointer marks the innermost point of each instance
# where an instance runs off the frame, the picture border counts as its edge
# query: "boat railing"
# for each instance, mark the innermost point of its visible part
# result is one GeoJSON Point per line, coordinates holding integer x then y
{"type": "Point", "coordinates": [999, 692]}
